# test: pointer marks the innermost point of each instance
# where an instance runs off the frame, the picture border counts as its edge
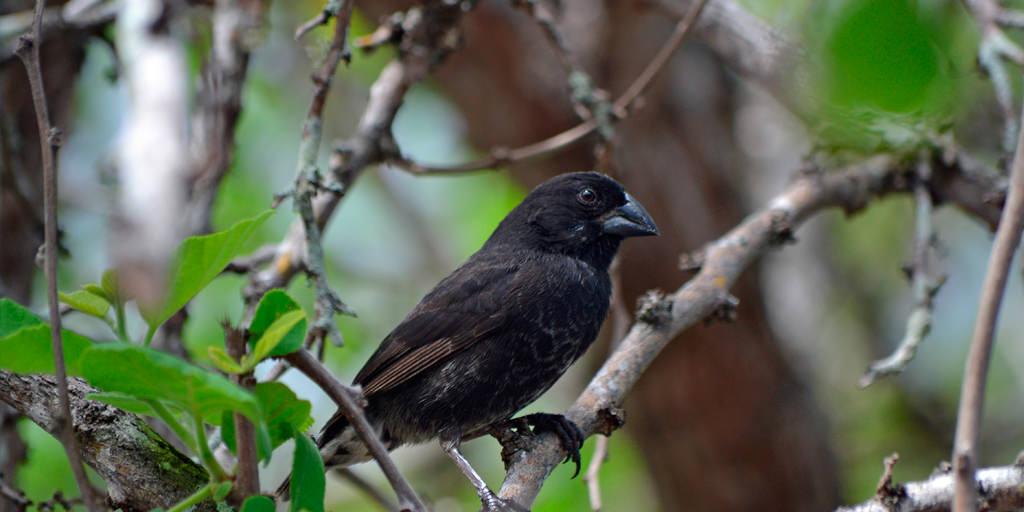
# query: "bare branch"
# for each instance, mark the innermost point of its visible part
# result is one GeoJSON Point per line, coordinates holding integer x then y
{"type": "Point", "coordinates": [49, 140]}
{"type": "Point", "coordinates": [345, 398]}
{"type": "Point", "coordinates": [330, 10]}
{"type": "Point", "coordinates": [308, 182]}
{"type": "Point", "coordinates": [1001, 492]}
{"type": "Point", "coordinates": [55, 19]}
{"type": "Point", "coordinates": [430, 32]}
{"type": "Point", "coordinates": [972, 392]}
{"type": "Point", "coordinates": [558, 142]}
{"type": "Point", "coordinates": [994, 49]}
{"type": "Point", "coordinates": [142, 471]}
{"type": "Point", "coordinates": [926, 279]}
{"type": "Point", "coordinates": [724, 260]}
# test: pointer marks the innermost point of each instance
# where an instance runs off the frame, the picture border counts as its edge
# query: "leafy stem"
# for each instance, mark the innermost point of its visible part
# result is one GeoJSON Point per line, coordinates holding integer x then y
{"type": "Point", "coordinates": [165, 414]}
{"type": "Point", "coordinates": [205, 455]}
{"type": "Point", "coordinates": [195, 498]}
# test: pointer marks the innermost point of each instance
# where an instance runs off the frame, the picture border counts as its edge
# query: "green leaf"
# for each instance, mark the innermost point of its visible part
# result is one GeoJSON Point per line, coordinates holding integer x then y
{"type": "Point", "coordinates": [198, 261]}
{"type": "Point", "coordinates": [308, 480]}
{"type": "Point", "coordinates": [26, 345]}
{"type": "Point", "coordinates": [14, 316]}
{"type": "Point", "coordinates": [223, 361]}
{"type": "Point", "coordinates": [123, 402]}
{"type": "Point", "coordinates": [258, 504]}
{"type": "Point", "coordinates": [284, 414]}
{"type": "Point", "coordinates": [110, 285]}
{"type": "Point", "coordinates": [86, 302]}
{"type": "Point", "coordinates": [221, 490]}
{"type": "Point", "coordinates": [273, 306]}
{"type": "Point", "coordinates": [98, 291]}
{"type": "Point", "coordinates": [283, 411]}
{"type": "Point", "coordinates": [278, 332]}
{"type": "Point", "coordinates": [149, 374]}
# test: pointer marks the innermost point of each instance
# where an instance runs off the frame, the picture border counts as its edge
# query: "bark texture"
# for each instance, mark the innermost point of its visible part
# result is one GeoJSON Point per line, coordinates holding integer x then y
{"type": "Point", "coordinates": [142, 471]}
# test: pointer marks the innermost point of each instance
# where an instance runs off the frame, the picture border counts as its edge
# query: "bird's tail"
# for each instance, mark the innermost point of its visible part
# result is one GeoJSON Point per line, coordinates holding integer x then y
{"type": "Point", "coordinates": [340, 447]}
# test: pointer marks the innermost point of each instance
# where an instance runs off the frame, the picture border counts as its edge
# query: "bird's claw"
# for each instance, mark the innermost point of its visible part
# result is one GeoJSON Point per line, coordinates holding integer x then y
{"type": "Point", "coordinates": [492, 503]}
{"type": "Point", "coordinates": [569, 434]}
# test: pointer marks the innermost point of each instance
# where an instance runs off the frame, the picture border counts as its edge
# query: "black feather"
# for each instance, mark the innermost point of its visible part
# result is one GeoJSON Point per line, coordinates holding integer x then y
{"type": "Point", "coordinates": [501, 329]}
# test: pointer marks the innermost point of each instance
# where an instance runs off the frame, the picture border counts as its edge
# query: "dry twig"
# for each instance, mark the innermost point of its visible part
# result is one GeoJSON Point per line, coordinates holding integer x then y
{"type": "Point", "coordinates": [972, 392]}
{"type": "Point", "coordinates": [345, 397]}
{"type": "Point", "coordinates": [926, 279]}
{"type": "Point", "coordinates": [49, 141]}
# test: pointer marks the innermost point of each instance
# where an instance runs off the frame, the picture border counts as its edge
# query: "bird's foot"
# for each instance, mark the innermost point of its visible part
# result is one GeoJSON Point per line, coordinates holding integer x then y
{"type": "Point", "coordinates": [569, 434]}
{"type": "Point", "coordinates": [492, 503]}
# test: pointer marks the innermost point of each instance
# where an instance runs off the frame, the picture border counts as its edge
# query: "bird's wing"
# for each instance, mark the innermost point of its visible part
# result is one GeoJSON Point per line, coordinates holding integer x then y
{"type": "Point", "coordinates": [463, 309]}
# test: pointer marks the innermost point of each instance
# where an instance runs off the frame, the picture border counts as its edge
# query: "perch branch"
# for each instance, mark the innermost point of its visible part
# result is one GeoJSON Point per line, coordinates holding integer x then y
{"type": "Point", "coordinates": [972, 392]}
{"type": "Point", "coordinates": [345, 398]}
{"type": "Point", "coordinates": [723, 261]}
{"type": "Point", "coordinates": [49, 140]}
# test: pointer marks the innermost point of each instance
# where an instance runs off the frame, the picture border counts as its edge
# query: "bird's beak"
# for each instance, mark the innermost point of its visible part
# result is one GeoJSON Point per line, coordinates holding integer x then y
{"type": "Point", "coordinates": [629, 219]}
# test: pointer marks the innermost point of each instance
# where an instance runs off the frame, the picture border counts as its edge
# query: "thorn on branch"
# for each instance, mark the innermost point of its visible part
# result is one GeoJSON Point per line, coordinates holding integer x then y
{"type": "Point", "coordinates": [654, 308]}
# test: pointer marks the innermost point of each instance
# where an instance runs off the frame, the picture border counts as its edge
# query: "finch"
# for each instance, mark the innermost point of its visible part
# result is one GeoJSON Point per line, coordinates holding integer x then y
{"type": "Point", "coordinates": [499, 331]}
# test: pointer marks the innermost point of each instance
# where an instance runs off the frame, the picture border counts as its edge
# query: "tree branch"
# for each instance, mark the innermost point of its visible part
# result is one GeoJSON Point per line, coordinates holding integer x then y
{"type": "Point", "coordinates": [662, 320]}
{"type": "Point", "coordinates": [972, 393]}
{"type": "Point", "coordinates": [1001, 492]}
{"type": "Point", "coordinates": [430, 33]}
{"type": "Point", "coordinates": [141, 469]}
{"type": "Point", "coordinates": [344, 397]}
{"type": "Point", "coordinates": [49, 140]}
{"type": "Point", "coordinates": [558, 142]}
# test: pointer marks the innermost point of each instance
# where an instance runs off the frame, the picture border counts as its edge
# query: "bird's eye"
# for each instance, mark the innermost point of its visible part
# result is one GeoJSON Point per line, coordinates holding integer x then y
{"type": "Point", "coordinates": [587, 196]}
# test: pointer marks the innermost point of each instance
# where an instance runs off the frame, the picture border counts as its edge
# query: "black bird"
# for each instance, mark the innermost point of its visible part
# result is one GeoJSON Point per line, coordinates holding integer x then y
{"type": "Point", "coordinates": [498, 332]}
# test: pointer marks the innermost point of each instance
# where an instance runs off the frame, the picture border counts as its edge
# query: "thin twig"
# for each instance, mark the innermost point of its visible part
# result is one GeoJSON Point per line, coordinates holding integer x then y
{"type": "Point", "coordinates": [330, 10]}
{"type": "Point", "coordinates": [620, 320]}
{"type": "Point", "coordinates": [307, 183]}
{"type": "Point", "coordinates": [994, 48]}
{"type": "Point", "coordinates": [247, 476]}
{"type": "Point", "coordinates": [592, 476]}
{"type": "Point", "coordinates": [620, 109]}
{"type": "Point", "coordinates": [49, 140]}
{"type": "Point", "coordinates": [588, 101]}
{"type": "Point", "coordinates": [428, 36]}
{"type": "Point", "coordinates": [344, 396]}
{"type": "Point", "coordinates": [926, 279]}
{"type": "Point", "coordinates": [972, 392]}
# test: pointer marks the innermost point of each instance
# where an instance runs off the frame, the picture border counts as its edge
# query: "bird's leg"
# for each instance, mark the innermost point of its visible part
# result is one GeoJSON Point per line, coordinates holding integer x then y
{"type": "Point", "coordinates": [569, 434]}
{"type": "Point", "coordinates": [490, 501]}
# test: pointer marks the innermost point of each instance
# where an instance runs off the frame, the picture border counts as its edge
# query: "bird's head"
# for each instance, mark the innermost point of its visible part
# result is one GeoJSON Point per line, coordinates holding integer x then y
{"type": "Point", "coordinates": [584, 214]}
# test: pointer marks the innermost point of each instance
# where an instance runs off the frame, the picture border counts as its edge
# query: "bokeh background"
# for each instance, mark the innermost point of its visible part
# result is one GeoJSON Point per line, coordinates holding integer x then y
{"type": "Point", "coordinates": [764, 413]}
